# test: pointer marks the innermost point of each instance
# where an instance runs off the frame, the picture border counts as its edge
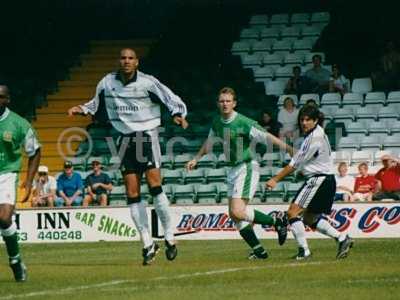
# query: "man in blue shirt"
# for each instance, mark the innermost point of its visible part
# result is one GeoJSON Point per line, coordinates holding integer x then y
{"type": "Point", "coordinates": [69, 187]}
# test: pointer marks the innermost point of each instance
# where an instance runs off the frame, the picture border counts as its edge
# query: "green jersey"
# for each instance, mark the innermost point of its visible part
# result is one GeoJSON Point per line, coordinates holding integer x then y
{"type": "Point", "coordinates": [240, 136]}
{"type": "Point", "coordinates": [15, 133]}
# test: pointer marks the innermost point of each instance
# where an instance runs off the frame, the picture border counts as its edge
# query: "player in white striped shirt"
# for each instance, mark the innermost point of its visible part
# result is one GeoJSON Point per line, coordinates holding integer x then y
{"type": "Point", "coordinates": [315, 198]}
{"type": "Point", "coordinates": [131, 100]}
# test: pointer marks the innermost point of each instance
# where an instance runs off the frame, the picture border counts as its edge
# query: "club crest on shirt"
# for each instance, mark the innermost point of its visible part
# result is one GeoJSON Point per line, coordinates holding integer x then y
{"type": "Point", "coordinates": [7, 136]}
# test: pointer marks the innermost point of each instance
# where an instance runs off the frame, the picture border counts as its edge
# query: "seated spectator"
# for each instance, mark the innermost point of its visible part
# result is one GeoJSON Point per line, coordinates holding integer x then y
{"type": "Point", "coordinates": [270, 124]}
{"type": "Point", "coordinates": [44, 188]}
{"type": "Point", "coordinates": [69, 187]}
{"type": "Point", "coordinates": [387, 77]}
{"type": "Point", "coordinates": [338, 83]}
{"type": "Point", "coordinates": [98, 185]}
{"type": "Point", "coordinates": [388, 179]}
{"type": "Point", "coordinates": [344, 184]}
{"type": "Point", "coordinates": [318, 76]}
{"type": "Point", "coordinates": [365, 184]}
{"type": "Point", "coordinates": [297, 84]}
{"type": "Point", "coordinates": [287, 116]}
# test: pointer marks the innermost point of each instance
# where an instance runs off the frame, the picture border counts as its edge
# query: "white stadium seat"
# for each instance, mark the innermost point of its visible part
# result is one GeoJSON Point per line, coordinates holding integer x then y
{"type": "Point", "coordinates": [361, 85]}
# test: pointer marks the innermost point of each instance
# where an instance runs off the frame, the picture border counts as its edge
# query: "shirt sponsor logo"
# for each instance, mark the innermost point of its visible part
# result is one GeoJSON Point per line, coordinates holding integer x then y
{"type": "Point", "coordinates": [7, 136]}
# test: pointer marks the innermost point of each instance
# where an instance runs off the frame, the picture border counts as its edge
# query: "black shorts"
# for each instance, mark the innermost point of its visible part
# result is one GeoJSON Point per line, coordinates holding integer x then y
{"type": "Point", "coordinates": [142, 153]}
{"type": "Point", "coordinates": [317, 194]}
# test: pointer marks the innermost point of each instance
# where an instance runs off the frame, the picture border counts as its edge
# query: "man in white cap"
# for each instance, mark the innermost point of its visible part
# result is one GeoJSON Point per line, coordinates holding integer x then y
{"type": "Point", "coordinates": [44, 188]}
{"type": "Point", "coordinates": [388, 179]}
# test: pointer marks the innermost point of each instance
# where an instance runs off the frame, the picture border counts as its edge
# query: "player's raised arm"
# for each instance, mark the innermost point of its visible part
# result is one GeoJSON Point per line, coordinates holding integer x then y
{"type": "Point", "coordinates": [260, 135]}
{"type": "Point", "coordinates": [91, 106]}
{"type": "Point", "coordinates": [205, 148]}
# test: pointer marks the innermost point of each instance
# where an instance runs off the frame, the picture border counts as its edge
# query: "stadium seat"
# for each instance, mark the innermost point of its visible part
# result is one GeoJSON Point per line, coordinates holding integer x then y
{"type": "Point", "coordinates": [194, 176]}
{"type": "Point", "coordinates": [294, 58]}
{"type": "Point", "coordinates": [242, 46]}
{"type": "Point", "coordinates": [207, 194]}
{"type": "Point", "coordinates": [275, 87]}
{"type": "Point", "coordinates": [249, 33]}
{"type": "Point", "coordinates": [341, 156]}
{"type": "Point", "coordinates": [299, 18]}
{"type": "Point", "coordinates": [282, 45]}
{"type": "Point", "coordinates": [310, 31]}
{"type": "Point", "coordinates": [366, 113]}
{"type": "Point", "coordinates": [305, 97]}
{"type": "Point", "coordinates": [145, 194]}
{"type": "Point", "coordinates": [320, 17]}
{"type": "Point", "coordinates": [291, 31]}
{"type": "Point", "coordinates": [167, 162]}
{"type": "Point", "coordinates": [258, 197]}
{"type": "Point", "coordinates": [172, 176]}
{"type": "Point", "coordinates": [361, 85]}
{"type": "Point", "coordinates": [207, 161]}
{"type": "Point", "coordinates": [303, 44]}
{"type": "Point", "coordinates": [375, 98]}
{"type": "Point", "coordinates": [223, 193]}
{"type": "Point", "coordinates": [284, 72]}
{"type": "Point", "coordinates": [344, 114]}
{"type": "Point", "coordinates": [216, 175]}
{"type": "Point", "coordinates": [394, 127]}
{"type": "Point", "coordinates": [117, 195]}
{"type": "Point", "coordinates": [328, 111]}
{"type": "Point", "coordinates": [271, 159]}
{"type": "Point", "coordinates": [349, 143]}
{"type": "Point", "coordinates": [265, 72]}
{"type": "Point", "coordinates": [378, 128]}
{"type": "Point", "coordinates": [184, 194]}
{"type": "Point", "coordinates": [279, 19]}
{"type": "Point", "coordinates": [371, 142]}
{"type": "Point", "coordinates": [388, 113]}
{"type": "Point", "coordinates": [331, 99]}
{"type": "Point", "coordinates": [265, 173]}
{"type": "Point", "coordinates": [180, 160]}
{"type": "Point", "coordinates": [272, 59]}
{"type": "Point", "coordinates": [393, 97]}
{"type": "Point", "coordinates": [283, 97]}
{"type": "Point", "coordinates": [270, 33]}
{"type": "Point", "coordinates": [263, 45]}
{"type": "Point", "coordinates": [78, 162]}
{"type": "Point", "coordinates": [356, 127]}
{"type": "Point", "coordinates": [259, 20]}
{"type": "Point", "coordinates": [221, 161]}
{"type": "Point", "coordinates": [278, 194]}
{"type": "Point", "coordinates": [292, 189]}
{"type": "Point", "coordinates": [391, 142]}
{"type": "Point", "coordinates": [254, 59]}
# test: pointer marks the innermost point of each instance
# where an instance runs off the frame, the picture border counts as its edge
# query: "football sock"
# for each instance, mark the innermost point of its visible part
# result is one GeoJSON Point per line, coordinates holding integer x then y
{"type": "Point", "coordinates": [139, 217]}
{"type": "Point", "coordinates": [10, 238]}
{"type": "Point", "coordinates": [298, 230]}
{"type": "Point", "coordinates": [324, 227]}
{"type": "Point", "coordinates": [248, 234]}
{"type": "Point", "coordinates": [258, 217]}
{"type": "Point", "coordinates": [161, 205]}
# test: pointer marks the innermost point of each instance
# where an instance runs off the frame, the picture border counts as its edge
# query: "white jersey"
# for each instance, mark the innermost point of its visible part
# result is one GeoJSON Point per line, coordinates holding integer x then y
{"type": "Point", "coordinates": [314, 156]}
{"type": "Point", "coordinates": [134, 106]}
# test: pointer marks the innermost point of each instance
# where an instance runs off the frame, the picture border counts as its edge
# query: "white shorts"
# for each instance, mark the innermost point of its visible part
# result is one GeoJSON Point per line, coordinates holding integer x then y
{"type": "Point", "coordinates": [243, 180]}
{"type": "Point", "coordinates": [8, 188]}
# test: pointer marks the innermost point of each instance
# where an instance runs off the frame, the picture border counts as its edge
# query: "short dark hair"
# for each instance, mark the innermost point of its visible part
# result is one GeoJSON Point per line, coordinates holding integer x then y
{"type": "Point", "coordinates": [317, 56]}
{"type": "Point", "coordinates": [228, 90]}
{"type": "Point", "coordinates": [296, 67]}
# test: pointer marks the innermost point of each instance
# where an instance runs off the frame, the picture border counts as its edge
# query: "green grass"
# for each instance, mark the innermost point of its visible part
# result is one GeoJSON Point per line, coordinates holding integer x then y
{"type": "Point", "coordinates": [206, 270]}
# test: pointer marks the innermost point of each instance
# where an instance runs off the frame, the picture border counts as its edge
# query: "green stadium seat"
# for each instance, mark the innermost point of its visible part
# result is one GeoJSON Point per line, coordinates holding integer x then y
{"type": "Point", "coordinates": [258, 195]}
{"type": "Point", "coordinates": [265, 173]}
{"type": "Point", "coordinates": [207, 194]}
{"type": "Point", "coordinates": [79, 163]}
{"type": "Point", "coordinates": [194, 145]}
{"type": "Point", "coordinates": [194, 176]}
{"type": "Point", "coordinates": [166, 162]}
{"type": "Point", "coordinates": [221, 162]}
{"type": "Point", "coordinates": [271, 159]}
{"type": "Point", "coordinates": [184, 194]}
{"type": "Point", "coordinates": [278, 194]}
{"type": "Point", "coordinates": [172, 176]}
{"type": "Point", "coordinates": [145, 194]}
{"type": "Point", "coordinates": [180, 160]}
{"type": "Point", "coordinates": [169, 191]}
{"type": "Point", "coordinates": [292, 189]}
{"type": "Point", "coordinates": [222, 193]}
{"type": "Point", "coordinates": [216, 175]}
{"type": "Point", "coordinates": [207, 161]}
{"type": "Point", "coordinates": [118, 195]}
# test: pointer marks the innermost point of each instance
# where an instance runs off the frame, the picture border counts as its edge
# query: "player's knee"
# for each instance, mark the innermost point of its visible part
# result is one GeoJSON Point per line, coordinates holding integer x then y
{"type": "Point", "coordinates": [155, 190]}
{"type": "Point", "coordinates": [237, 215]}
{"type": "Point", "coordinates": [133, 200]}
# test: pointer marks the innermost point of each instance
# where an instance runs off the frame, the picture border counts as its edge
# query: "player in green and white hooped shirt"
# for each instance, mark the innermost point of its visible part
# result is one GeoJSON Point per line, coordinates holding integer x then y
{"type": "Point", "coordinates": [15, 133]}
{"type": "Point", "coordinates": [240, 134]}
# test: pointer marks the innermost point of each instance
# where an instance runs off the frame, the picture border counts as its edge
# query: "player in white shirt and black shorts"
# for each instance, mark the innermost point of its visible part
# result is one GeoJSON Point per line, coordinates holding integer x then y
{"type": "Point", "coordinates": [315, 198]}
{"type": "Point", "coordinates": [132, 100]}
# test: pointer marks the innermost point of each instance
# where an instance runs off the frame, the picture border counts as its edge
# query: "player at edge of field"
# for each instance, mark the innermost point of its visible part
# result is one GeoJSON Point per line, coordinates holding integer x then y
{"type": "Point", "coordinates": [315, 198]}
{"type": "Point", "coordinates": [243, 176]}
{"type": "Point", "coordinates": [15, 133]}
{"type": "Point", "coordinates": [132, 102]}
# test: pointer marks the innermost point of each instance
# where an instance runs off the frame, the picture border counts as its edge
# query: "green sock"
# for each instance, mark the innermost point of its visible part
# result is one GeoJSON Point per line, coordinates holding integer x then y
{"type": "Point", "coordinates": [12, 245]}
{"type": "Point", "coordinates": [250, 237]}
{"type": "Point", "coordinates": [263, 219]}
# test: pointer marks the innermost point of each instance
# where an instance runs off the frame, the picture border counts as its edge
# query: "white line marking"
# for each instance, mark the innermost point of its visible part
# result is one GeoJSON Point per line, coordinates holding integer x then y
{"type": "Point", "coordinates": [72, 290]}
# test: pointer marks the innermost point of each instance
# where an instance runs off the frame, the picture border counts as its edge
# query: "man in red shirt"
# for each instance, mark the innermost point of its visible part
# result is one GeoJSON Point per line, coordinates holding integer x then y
{"type": "Point", "coordinates": [365, 184]}
{"type": "Point", "coordinates": [388, 179]}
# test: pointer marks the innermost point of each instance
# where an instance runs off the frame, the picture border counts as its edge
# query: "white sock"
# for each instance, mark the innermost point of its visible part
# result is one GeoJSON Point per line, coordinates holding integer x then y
{"type": "Point", "coordinates": [139, 217]}
{"type": "Point", "coordinates": [325, 228]}
{"type": "Point", "coordinates": [161, 205]}
{"type": "Point", "coordinates": [299, 231]}
{"type": "Point", "coordinates": [10, 230]}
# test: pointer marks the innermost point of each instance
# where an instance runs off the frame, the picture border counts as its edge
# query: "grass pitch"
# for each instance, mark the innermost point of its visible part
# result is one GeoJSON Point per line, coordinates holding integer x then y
{"type": "Point", "coordinates": [205, 270]}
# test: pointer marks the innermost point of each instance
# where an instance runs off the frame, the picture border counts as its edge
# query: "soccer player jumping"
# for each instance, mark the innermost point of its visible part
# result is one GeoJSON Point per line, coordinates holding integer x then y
{"type": "Point", "coordinates": [315, 198]}
{"type": "Point", "coordinates": [240, 133]}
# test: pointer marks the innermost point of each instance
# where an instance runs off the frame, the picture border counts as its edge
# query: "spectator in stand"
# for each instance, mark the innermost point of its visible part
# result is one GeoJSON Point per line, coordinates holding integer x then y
{"type": "Point", "coordinates": [318, 76]}
{"type": "Point", "coordinates": [69, 187]}
{"type": "Point", "coordinates": [365, 184]}
{"type": "Point", "coordinates": [344, 184]}
{"type": "Point", "coordinates": [388, 179]}
{"type": "Point", "coordinates": [270, 124]}
{"type": "Point", "coordinates": [287, 116]}
{"type": "Point", "coordinates": [98, 185]}
{"type": "Point", "coordinates": [297, 84]}
{"type": "Point", "coordinates": [338, 83]}
{"type": "Point", "coordinates": [387, 78]}
{"type": "Point", "coordinates": [44, 188]}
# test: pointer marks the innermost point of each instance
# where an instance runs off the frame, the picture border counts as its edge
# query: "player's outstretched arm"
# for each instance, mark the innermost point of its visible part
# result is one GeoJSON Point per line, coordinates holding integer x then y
{"type": "Point", "coordinates": [203, 150]}
{"type": "Point", "coordinates": [75, 110]}
{"type": "Point", "coordinates": [181, 121]}
{"type": "Point", "coordinates": [282, 145]}
{"type": "Point", "coordinates": [270, 184]}
{"type": "Point", "coordinates": [33, 164]}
